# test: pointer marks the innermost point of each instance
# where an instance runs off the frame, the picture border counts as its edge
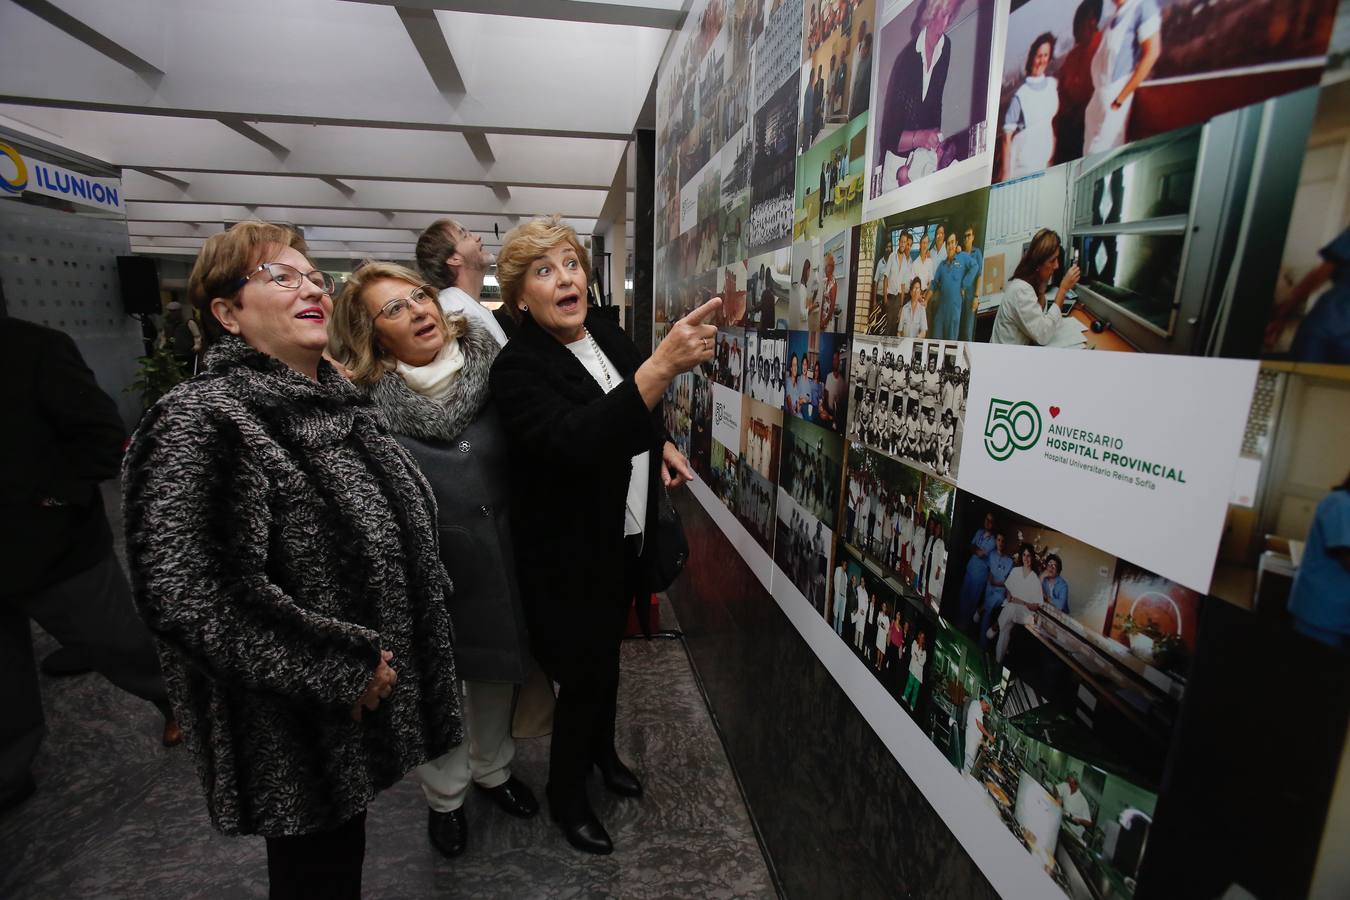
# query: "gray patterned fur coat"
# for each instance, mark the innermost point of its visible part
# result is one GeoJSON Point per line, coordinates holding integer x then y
{"type": "Point", "coordinates": [278, 539]}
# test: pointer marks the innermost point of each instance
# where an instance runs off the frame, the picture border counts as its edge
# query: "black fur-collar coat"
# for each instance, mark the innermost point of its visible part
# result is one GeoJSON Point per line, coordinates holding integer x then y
{"type": "Point", "coordinates": [278, 539]}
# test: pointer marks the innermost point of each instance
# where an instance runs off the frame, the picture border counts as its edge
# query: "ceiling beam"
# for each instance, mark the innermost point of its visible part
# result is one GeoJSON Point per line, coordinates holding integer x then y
{"type": "Point", "coordinates": [156, 173]}
{"type": "Point", "coordinates": [479, 147]}
{"type": "Point", "coordinates": [429, 41]}
{"type": "Point", "coordinates": [238, 125]}
{"type": "Point", "coordinates": [330, 177]}
{"type": "Point", "coordinates": [59, 18]}
{"type": "Point", "coordinates": [291, 119]}
{"type": "Point", "coordinates": [342, 186]}
{"type": "Point", "coordinates": [502, 191]}
{"type": "Point", "coordinates": [557, 10]}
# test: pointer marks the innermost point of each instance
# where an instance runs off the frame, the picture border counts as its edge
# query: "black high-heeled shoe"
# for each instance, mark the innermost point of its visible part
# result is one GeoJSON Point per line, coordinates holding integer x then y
{"type": "Point", "coordinates": [581, 826]}
{"type": "Point", "coordinates": [619, 779]}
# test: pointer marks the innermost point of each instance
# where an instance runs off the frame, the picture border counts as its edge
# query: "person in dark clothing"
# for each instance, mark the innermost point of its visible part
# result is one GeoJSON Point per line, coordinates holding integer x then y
{"type": "Point", "coordinates": [911, 107]}
{"type": "Point", "coordinates": [63, 435]}
{"type": "Point", "coordinates": [427, 374]}
{"type": "Point", "coordinates": [182, 335]}
{"type": "Point", "coordinates": [589, 452]}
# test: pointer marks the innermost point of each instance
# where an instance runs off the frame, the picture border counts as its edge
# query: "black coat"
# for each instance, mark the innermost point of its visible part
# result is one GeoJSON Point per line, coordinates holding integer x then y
{"type": "Point", "coordinates": [904, 108]}
{"type": "Point", "coordinates": [62, 436]}
{"type": "Point", "coordinates": [459, 443]}
{"type": "Point", "coordinates": [571, 451]}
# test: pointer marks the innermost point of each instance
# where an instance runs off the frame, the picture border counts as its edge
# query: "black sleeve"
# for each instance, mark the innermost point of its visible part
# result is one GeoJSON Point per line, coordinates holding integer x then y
{"type": "Point", "coordinates": [546, 423]}
{"type": "Point", "coordinates": [88, 428]}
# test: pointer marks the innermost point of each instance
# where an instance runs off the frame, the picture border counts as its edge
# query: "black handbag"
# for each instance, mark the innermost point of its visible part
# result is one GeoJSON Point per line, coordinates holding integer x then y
{"type": "Point", "coordinates": [666, 548]}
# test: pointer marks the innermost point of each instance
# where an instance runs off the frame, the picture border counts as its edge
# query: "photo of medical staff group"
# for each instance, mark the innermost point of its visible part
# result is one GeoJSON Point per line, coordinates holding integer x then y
{"type": "Point", "coordinates": [908, 401]}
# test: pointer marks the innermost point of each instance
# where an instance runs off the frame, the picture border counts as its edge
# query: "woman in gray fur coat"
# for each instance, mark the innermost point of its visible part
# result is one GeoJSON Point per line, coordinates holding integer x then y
{"type": "Point", "coordinates": [428, 375]}
{"type": "Point", "coordinates": [283, 550]}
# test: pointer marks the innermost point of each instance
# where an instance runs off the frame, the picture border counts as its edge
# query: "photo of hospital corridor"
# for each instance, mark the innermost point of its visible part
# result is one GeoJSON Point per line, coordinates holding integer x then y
{"type": "Point", "coordinates": [1293, 456]}
{"type": "Point", "coordinates": [1082, 820]}
{"type": "Point", "coordinates": [1156, 228]}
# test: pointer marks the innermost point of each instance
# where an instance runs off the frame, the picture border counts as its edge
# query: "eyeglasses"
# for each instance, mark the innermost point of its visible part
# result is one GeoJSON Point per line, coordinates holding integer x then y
{"type": "Point", "coordinates": [290, 277]}
{"type": "Point", "coordinates": [394, 309]}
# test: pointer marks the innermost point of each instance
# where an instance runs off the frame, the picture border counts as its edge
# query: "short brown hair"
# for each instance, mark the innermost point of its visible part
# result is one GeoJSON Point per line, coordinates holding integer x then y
{"type": "Point", "coordinates": [434, 247]}
{"type": "Point", "coordinates": [351, 334]}
{"type": "Point", "coordinates": [523, 245]}
{"type": "Point", "coordinates": [227, 257]}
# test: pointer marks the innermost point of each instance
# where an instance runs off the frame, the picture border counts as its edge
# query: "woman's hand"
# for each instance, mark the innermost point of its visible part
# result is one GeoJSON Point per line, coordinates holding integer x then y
{"type": "Point", "coordinates": [675, 469]}
{"type": "Point", "coordinates": [690, 343]}
{"type": "Point", "coordinates": [691, 340]}
{"type": "Point", "coordinates": [380, 687]}
{"type": "Point", "coordinates": [1068, 283]}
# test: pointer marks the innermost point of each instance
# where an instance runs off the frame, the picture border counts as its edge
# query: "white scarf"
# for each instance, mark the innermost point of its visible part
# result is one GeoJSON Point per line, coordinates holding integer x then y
{"type": "Point", "coordinates": [434, 379]}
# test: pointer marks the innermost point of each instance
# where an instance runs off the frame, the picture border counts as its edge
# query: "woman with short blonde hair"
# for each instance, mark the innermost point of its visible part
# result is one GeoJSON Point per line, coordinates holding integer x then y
{"type": "Point", "coordinates": [589, 453]}
{"type": "Point", "coordinates": [427, 374]}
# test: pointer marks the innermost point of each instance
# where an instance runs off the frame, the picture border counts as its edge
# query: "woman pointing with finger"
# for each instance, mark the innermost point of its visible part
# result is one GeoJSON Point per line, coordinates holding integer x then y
{"type": "Point", "coordinates": [581, 409]}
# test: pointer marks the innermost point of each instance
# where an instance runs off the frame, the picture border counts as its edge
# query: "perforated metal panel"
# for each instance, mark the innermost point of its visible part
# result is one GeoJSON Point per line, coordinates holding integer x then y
{"type": "Point", "coordinates": [60, 269]}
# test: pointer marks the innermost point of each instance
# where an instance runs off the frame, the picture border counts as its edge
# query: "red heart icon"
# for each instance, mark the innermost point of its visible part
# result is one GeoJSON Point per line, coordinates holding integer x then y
{"type": "Point", "coordinates": [1054, 412]}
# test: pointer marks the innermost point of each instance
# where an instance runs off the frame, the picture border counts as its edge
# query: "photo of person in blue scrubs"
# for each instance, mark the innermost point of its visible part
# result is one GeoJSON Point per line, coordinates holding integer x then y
{"type": "Point", "coordinates": [1324, 334]}
{"type": "Point", "coordinates": [951, 281]}
{"type": "Point", "coordinates": [977, 569]}
{"type": "Point", "coordinates": [995, 592]}
{"type": "Point", "coordinates": [1320, 600]}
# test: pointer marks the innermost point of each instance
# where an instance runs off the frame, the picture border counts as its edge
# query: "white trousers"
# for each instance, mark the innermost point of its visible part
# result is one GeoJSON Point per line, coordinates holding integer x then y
{"type": "Point", "coordinates": [484, 757]}
{"type": "Point", "coordinates": [1013, 614]}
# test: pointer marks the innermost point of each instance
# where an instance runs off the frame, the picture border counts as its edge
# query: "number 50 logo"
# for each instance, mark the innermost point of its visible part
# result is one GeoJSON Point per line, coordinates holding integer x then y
{"type": "Point", "coordinates": [1011, 426]}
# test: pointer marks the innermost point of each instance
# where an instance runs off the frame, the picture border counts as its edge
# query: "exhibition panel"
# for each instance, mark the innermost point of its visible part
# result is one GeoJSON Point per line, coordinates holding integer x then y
{"type": "Point", "coordinates": [1007, 557]}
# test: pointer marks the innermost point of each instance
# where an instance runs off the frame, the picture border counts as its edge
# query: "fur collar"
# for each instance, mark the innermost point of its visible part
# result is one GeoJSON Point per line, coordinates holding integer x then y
{"type": "Point", "coordinates": [409, 413]}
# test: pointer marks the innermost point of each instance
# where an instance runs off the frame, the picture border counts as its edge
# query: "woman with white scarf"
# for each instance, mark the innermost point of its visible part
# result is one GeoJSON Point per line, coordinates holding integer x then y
{"type": "Point", "coordinates": [428, 376]}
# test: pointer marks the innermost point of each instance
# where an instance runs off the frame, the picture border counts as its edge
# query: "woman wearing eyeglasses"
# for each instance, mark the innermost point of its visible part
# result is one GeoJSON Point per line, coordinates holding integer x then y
{"type": "Point", "coordinates": [428, 376]}
{"type": "Point", "coordinates": [589, 453]}
{"type": "Point", "coordinates": [283, 551]}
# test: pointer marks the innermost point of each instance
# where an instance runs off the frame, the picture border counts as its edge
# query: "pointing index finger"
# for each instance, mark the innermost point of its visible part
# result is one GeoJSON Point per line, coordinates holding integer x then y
{"type": "Point", "coordinates": [697, 316]}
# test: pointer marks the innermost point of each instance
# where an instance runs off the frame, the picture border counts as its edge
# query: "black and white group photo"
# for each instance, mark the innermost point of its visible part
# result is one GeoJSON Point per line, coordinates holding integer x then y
{"type": "Point", "coordinates": [765, 355]}
{"type": "Point", "coordinates": [908, 401]}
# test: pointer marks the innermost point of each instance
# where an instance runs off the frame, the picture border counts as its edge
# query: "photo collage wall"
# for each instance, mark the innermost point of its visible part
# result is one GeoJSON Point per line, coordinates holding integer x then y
{"type": "Point", "coordinates": [882, 190]}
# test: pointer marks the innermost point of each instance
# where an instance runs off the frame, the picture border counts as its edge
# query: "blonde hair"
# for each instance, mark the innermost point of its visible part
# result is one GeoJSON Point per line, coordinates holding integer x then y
{"type": "Point", "coordinates": [352, 340]}
{"type": "Point", "coordinates": [228, 256]}
{"type": "Point", "coordinates": [523, 245]}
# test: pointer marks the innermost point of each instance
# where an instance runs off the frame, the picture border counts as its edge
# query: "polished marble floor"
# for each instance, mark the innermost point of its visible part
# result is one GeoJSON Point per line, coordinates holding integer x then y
{"type": "Point", "coordinates": [117, 815]}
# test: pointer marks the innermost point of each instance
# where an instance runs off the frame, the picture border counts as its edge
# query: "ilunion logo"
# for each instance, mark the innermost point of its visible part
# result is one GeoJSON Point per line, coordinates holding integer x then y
{"type": "Point", "coordinates": [1010, 426]}
{"type": "Point", "coordinates": [19, 182]}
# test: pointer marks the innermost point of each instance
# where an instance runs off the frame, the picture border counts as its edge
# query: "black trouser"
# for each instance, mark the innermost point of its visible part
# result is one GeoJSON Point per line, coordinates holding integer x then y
{"type": "Point", "coordinates": [325, 865]}
{"type": "Point", "coordinates": [90, 613]}
{"type": "Point", "coordinates": [587, 673]}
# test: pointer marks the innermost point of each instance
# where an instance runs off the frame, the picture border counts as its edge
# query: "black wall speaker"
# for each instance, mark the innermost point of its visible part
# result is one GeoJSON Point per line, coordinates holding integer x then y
{"type": "Point", "coordinates": [139, 277]}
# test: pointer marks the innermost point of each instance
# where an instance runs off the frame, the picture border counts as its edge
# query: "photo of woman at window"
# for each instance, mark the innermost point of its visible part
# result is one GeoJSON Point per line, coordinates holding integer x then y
{"type": "Point", "coordinates": [1023, 315]}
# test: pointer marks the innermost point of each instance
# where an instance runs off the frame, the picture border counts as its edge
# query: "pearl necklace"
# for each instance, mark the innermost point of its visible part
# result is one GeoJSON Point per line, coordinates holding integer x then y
{"type": "Point", "coordinates": [599, 357]}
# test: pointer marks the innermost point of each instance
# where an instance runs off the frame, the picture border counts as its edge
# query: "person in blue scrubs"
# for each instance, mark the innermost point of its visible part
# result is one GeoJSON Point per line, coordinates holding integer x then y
{"type": "Point", "coordinates": [949, 285]}
{"type": "Point", "coordinates": [971, 284]}
{"type": "Point", "coordinates": [1324, 334]}
{"type": "Point", "coordinates": [1000, 567]}
{"type": "Point", "coordinates": [1320, 599]}
{"type": "Point", "coordinates": [977, 569]}
{"type": "Point", "coordinates": [1054, 588]}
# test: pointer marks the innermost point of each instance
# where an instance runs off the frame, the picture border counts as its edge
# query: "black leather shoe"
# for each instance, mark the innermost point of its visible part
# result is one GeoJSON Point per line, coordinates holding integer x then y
{"type": "Point", "coordinates": [619, 779]}
{"type": "Point", "coordinates": [582, 828]}
{"type": "Point", "coordinates": [63, 663]}
{"type": "Point", "coordinates": [514, 798]}
{"type": "Point", "coordinates": [16, 795]}
{"type": "Point", "coordinates": [449, 831]}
